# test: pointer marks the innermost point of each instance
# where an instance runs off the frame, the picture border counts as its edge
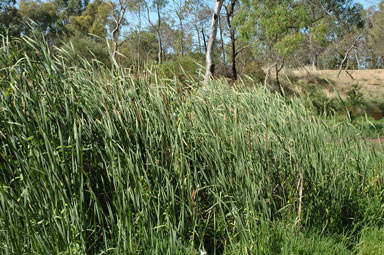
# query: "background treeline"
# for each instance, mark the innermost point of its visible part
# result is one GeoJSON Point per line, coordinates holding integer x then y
{"type": "Point", "coordinates": [327, 34]}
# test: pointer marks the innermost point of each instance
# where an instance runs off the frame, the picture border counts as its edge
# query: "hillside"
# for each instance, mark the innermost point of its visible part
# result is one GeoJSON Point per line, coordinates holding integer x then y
{"type": "Point", "coordinates": [371, 82]}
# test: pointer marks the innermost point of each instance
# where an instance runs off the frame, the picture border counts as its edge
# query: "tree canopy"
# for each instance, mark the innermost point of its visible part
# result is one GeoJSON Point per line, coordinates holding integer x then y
{"type": "Point", "coordinates": [274, 34]}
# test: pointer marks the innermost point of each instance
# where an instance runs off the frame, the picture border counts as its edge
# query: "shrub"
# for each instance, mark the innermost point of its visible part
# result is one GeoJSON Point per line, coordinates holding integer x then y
{"type": "Point", "coordinates": [354, 101]}
{"type": "Point", "coordinates": [182, 68]}
{"type": "Point", "coordinates": [81, 48]}
{"type": "Point", "coordinates": [321, 103]}
{"type": "Point", "coordinates": [254, 70]}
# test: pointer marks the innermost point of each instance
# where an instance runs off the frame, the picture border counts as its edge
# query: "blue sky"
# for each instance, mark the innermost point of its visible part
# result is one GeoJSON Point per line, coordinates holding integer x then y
{"type": "Point", "coordinates": [368, 3]}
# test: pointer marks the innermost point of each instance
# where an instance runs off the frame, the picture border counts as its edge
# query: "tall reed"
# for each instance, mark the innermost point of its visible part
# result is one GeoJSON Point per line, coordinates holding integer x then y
{"type": "Point", "coordinates": [96, 161]}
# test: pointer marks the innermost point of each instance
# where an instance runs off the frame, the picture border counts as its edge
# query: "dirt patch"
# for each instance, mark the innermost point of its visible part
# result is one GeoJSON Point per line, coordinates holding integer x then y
{"type": "Point", "coordinates": [371, 82]}
{"type": "Point", "coordinates": [379, 141]}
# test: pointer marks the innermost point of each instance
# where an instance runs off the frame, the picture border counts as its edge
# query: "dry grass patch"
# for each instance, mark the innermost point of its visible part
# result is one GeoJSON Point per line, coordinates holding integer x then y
{"type": "Point", "coordinates": [370, 81]}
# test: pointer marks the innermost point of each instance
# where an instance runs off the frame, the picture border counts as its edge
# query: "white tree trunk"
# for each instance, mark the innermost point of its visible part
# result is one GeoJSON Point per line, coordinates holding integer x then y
{"type": "Point", "coordinates": [210, 63]}
{"type": "Point", "coordinates": [118, 20]}
{"type": "Point", "coordinates": [160, 53]}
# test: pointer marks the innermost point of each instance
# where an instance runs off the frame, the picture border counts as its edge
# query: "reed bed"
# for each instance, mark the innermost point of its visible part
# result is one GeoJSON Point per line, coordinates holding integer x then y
{"type": "Point", "coordinates": [98, 161]}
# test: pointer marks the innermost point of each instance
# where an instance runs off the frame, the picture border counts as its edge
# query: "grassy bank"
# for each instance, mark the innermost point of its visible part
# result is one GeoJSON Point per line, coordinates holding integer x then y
{"type": "Point", "coordinates": [96, 161]}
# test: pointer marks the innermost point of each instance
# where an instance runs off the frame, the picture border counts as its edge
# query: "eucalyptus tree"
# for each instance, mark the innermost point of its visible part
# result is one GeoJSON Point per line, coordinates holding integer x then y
{"type": "Point", "coordinates": [6, 3]}
{"type": "Point", "coordinates": [181, 8]}
{"type": "Point", "coordinates": [278, 26]}
{"type": "Point", "coordinates": [139, 47]}
{"type": "Point", "coordinates": [10, 18]}
{"type": "Point", "coordinates": [200, 17]}
{"type": "Point", "coordinates": [375, 38]}
{"type": "Point", "coordinates": [121, 9]}
{"type": "Point", "coordinates": [44, 16]}
{"type": "Point", "coordinates": [318, 41]}
{"type": "Point", "coordinates": [136, 7]}
{"type": "Point", "coordinates": [158, 6]}
{"type": "Point", "coordinates": [94, 20]}
{"type": "Point", "coordinates": [210, 62]}
{"type": "Point", "coordinates": [231, 12]}
{"type": "Point", "coordinates": [321, 19]}
{"type": "Point", "coordinates": [118, 21]}
{"type": "Point", "coordinates": [332, 22]}
{"type": "Point", "coordinates": [68, 8]}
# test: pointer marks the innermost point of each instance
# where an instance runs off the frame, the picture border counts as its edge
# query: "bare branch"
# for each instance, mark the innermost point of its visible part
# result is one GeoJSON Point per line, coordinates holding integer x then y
{"type": "Point", "coordinates": [268, 74]}
{"type": "Point", "coordinates": [242, 48]}
{"type": "Point", "coordinates": [347, 54]}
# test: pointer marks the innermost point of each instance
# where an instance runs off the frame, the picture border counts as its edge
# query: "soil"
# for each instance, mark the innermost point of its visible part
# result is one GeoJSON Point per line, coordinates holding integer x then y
{"type": "Point", "coordinates": [376, 140]}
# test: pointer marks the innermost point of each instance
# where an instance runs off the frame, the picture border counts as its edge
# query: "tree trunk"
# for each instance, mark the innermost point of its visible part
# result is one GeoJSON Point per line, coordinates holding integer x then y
{"type": "Point", "coordinates": [204, 40]}
{"type": "Point", "coordinates": [268, 73]}
{"type": "Point", "coordinates": [160, 53]}
{"type": "Point", "coordinates": [345, 59]}
{"type": "Point", "coordinates": [357, 59]}
{"type": "Point", "coordinates": [230, 11]}
{"type": "Point", "coordinates": [314, 61]}
{"type": "Point", "coordinates": [223, 46]}
{"type": "Point", "coordinates": [313, 53]}
{"type": "Point", "coordinates": [139, 39]}
{"type": "Point", "coordinates": [277, 78]}
{"type": "Point", "coordinates": [373, 61]}
{"type": "Point", "coordinates": [182, 37]}
{"type": "Point", "coordinates": [233, 42]}
{"type": "Point", "coordinates": [198, 38]}
{"type": "Point", "coordinates": [160, 49]}
{"type": "Point", "coordinates": [115, 37]}
{"type": "Point", "coordinates": [118, 20]}
{"type": "Point", "coordinates": [277, 70]}
{"type": "Point", "coordinates": [210, 63]}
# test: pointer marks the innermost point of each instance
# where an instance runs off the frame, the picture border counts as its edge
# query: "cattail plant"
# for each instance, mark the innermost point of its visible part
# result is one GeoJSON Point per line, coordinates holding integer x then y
{"type": "Point", "coordinates": [96, 161]}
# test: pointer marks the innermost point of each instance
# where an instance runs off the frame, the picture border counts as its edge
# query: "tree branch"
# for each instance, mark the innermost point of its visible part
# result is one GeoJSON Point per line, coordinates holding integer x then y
{"type": "Point", "coordinates": [242, 48]}
{"type": "Point", "coordinates": [347, 54]}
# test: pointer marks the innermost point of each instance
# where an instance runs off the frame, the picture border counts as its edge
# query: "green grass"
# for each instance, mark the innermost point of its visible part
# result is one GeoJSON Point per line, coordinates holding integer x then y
{"type": "Point", "coordinates": [96, 161]}
{"type": "Point", "coordinates": [371, 242]}
{"type": "Point", "coordinates": [370, 127]}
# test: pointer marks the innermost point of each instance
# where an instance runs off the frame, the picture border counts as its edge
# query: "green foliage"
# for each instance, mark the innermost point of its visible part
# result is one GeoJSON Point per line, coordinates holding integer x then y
{"type": "Point", "coordinates": [371, 242]}
{"type": "Point", "coordinates": [158, 4]}
{"type": "Point", "coordinates": [321, 103]}
{"type": "Point", "coordinates": [278, 27]}
{"type": "Point", "coordinates": [71, 7]}
{"type": "Point", "coordinates": [44, 17]}
{"type": "Point", "coordinates": [319, 33]}
{"type": "Point", "coordinates": [254, 70]}
{"type": "Point", "coordinates": [139, 49]}
{"type": "Point", "coordinates": [277, 24]}
{"type": "Point", "coordinates": [80, 48]}
{"type": "Point", "coordinates": [11, 22]}
{"type": "Point", "coordinates": [354, 102]}
{"type": "Point", "coordinates": [375, 36]}
{"type": "Point", "coordinates": [94, 161]}
{"type": "Point", "coordinates": [182, 69]}
{"type": "Point", "coordinates": [330, 58]}
{"type": "Point", "coordinates": [352, 106]}
{"type": "Point", "coordinates": [355, 97]}
{"type": "Point", "coordinates": [288, 44]}
{"type": "Point", "coordinates": [93, 20]}
{"type": "Point", "coordinates": [286, 240]}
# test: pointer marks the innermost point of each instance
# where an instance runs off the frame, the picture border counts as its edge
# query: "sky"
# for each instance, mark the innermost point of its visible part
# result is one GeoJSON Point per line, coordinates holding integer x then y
{"type": "Point", "coordinates": [368, 3]}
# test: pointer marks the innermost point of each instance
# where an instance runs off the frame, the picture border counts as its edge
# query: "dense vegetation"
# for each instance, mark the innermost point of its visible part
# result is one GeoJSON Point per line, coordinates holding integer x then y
{"type": "Point", "coordinates": [289, 33]}
{"type": "Point", "coordinates": [103, 160]}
